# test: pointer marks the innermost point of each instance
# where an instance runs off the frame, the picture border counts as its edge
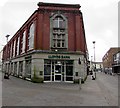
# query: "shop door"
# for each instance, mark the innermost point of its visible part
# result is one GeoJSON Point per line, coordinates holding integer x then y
{"type": "Point", "coordinates": [58, 73]}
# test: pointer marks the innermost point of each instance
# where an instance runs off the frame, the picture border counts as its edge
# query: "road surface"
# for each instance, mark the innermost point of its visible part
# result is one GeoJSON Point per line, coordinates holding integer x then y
{"type": "Point", "coordinates": [100, 92]}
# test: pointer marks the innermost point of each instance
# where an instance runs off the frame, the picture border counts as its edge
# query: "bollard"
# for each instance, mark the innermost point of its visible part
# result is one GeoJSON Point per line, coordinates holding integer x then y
{"type": "Point", "coordinates": [80, 83]}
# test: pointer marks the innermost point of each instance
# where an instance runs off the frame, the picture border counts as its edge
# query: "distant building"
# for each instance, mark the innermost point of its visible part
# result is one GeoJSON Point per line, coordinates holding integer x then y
{"type": "Point", "coordinates": [116, 63]}
{"type": "Point", "coordinates": [50, 43]}
{"type": "Point", "coordinates": [1, 60]}
{"type": "Point", "coordinates": [97, 65]}
{"type": "Point", "coordinates": [108, 58]}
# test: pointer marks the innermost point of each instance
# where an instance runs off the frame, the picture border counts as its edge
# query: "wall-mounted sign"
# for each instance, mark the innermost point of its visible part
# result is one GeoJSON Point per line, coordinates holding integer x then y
{"type": "Point", "coordinates": [58, 57]}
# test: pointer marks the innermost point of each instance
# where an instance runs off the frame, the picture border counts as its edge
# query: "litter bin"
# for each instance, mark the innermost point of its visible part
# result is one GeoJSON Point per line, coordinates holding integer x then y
{"type": "Point", "coordinates": [6, 76]}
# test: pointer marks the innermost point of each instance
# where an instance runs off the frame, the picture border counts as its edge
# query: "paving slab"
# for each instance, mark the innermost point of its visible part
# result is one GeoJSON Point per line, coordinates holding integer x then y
{"type": "Point", "coordinates": [18, 92]}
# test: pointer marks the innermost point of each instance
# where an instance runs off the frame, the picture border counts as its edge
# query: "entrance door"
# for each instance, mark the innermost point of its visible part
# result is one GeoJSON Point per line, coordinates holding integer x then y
{"type": "Point", "coordinates": [58, 73]}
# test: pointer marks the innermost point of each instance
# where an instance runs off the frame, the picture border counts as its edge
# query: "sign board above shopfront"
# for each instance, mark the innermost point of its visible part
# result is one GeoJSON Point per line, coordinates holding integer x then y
{"type": "Point", "coordinates": [58, 57]}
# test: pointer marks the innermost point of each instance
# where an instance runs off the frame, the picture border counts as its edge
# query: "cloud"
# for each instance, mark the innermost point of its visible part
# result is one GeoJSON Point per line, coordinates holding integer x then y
{"type": "Point", "coordinates": [3, 2]}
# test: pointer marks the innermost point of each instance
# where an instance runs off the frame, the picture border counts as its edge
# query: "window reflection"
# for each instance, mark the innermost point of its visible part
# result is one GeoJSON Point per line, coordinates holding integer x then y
{"type": "Point", "coordinates": [31, 36]}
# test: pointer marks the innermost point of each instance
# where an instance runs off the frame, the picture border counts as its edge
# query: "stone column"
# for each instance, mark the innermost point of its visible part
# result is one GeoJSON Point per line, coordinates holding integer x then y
{"type": "Point", "coordinates": [17, 68]}
{"type": "Point", "coordinates": [10, 69]}
{"type": "Point", "coordinates": [13, 69]}
{"type": "Point", "coordinates": [37, 66]}
{"type": "Point", "coordinates": [23, 73]}
{"type": "Point", "coordinates": [77, 69]}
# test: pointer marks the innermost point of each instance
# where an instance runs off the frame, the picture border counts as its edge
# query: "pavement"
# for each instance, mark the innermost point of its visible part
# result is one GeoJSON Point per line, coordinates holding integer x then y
{"type": "Point", "coordinates": [18, 92]}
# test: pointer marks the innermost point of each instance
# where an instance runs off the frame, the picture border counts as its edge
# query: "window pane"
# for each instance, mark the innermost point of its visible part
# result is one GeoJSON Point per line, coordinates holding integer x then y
{"type": "Point", "coordinates": [61, 24]}
{"type": "Point", "coordinates": [10, 50]}
{"type": "Point", "coordinates": [55, 23]}
{"type": "Point", "coordinates": [15, 68]}
{"type": "Point", "coordinates": [23, 41]}
{"type": "Point", "coordinates": [18, 45]}
{"type": "Point", "coordinates": [54, 43]}
{"type": "Point", "coordinates": [47, 69]}
{"type": "Point", "coordinates": [58, 43]}
{"type": "Point", "coordinates": [20, 68]}
{"type": "Point", "coordinates": [28, 69]}
{"type": "Point", "coordinates": [69, 70]}
{"type": "Point", "coordinates": [54, 36]}
{"type": "Point", "coordinates": [31, 36]}
{"type": "Point", "coordinates": [14, 48]}
{"type": "Point", "coordinates": [63, 43]}
{"type": "Point", "coordinates": [59, 36]}
{"type": "Point", "coordinates": [69, 78]}
{"type": "Point", "coordinates": [63, 36]}
{"type": "Point", "coordinates": [47, 78]}
{"type": "Point", "coordinates": [47, 62]}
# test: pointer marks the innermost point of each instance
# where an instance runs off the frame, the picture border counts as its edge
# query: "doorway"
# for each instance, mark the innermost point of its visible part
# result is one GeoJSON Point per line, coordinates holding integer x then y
{"type": "Point", "coordinates": [58, 73]}
{"type": "Point", "coordinates": [58, 70]}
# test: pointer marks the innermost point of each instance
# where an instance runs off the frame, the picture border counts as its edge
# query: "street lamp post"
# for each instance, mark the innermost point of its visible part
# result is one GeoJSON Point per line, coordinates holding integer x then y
{"type": "Point", "coordinates": [91, 64]}
{"type": "Point", "coordinates": [7, 36]}
{"type": "Point", "coordinates": [94, 58]}
{"type": "Point", "coordinates": [6, 76]}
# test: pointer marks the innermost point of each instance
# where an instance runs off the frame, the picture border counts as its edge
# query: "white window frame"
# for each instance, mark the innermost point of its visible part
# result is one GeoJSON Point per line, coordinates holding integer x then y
{"type": "Point", "coordinates": [18, 45]}
{"type": "Point", "coordinates": [23, 41]}
{"type": "Point", "coordinates": [11, 51]}
{"type": "Point", "coordinates": [31, 36]}
{"type": "Point", "coordinates": [63, 30]}
{"type": "Point", "coordinates": [14, 48]}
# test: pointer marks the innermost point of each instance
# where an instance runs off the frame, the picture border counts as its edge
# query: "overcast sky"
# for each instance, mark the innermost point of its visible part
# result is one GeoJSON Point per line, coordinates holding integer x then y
{"type": "Point", "coordinates": [100, 21]}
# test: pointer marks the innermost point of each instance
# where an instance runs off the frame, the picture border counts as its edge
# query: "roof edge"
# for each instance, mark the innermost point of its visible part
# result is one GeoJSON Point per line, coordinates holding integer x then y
{"type": "Point", "coordinates": [59, 5]}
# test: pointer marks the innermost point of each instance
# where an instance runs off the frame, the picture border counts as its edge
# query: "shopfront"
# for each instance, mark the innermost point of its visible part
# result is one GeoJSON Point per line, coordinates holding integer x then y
{"type": "Point", "coordinates": [50, 67]}
{"type": "Point", "coordinates": [58, 67]}
{"type": "Point", "coordinates": [58, 70]}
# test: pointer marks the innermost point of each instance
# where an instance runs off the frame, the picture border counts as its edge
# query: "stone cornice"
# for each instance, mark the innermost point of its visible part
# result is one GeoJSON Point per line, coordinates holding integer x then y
{"type": "Point", "coordinates": [58, 5]}
{"type": "Point", "coordinates": [43, 52]}
{"type": "Point", "coordinates": [59, 52]}
{"type": "Point", "coordinates": [76, 12]}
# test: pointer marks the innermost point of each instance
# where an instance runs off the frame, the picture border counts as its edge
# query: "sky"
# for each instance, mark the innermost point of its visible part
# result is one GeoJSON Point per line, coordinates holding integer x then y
{"type": "Point", "coordinates": [100, 21]}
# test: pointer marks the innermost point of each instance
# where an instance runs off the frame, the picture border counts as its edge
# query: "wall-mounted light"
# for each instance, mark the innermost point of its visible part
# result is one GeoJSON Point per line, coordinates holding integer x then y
{"type": "Point", "coordinates": [79, 61]}
{"type": "Point", "coordinates": [56, 50]}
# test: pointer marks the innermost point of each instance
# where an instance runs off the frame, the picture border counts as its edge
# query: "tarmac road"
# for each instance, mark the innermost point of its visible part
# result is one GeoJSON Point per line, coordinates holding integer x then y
{"type": "Point", "coordinates": [100, 92]}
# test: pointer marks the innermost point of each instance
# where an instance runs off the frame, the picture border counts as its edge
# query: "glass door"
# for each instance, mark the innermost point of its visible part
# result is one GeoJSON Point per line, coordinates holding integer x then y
{"type": "Point", "coordinates": [58, 72]}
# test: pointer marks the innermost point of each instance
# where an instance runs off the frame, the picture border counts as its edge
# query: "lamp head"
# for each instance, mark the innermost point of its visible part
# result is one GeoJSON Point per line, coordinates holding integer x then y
{"type": "Point", "coordinates": [93, 42]}
{"type": "Point", "coordinates": [7, 36]}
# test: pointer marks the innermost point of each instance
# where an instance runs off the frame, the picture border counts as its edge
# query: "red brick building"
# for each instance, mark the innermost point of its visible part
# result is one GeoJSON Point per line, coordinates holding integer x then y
{"type": "Point", "coordinates": [51, 43]}
{"type": "Point", "coordinates": [116, 62]}
{"type": "Point", "coordinates": [108, 57]}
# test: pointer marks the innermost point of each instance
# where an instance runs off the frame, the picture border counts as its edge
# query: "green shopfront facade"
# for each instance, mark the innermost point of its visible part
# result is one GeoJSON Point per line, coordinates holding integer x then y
{"type": "Point", "coordinates": [50, 66]}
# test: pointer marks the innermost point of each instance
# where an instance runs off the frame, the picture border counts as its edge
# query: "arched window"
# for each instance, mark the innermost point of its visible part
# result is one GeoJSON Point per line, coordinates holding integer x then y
{"type": "Point", "coordinates": [58, 22]}
{"type": "Point", "coordinates": [14, 48]}
{"type": "Point", "coordinates": [31, 36]}
{"type": "Point", "coordinates": [11, 50]}
{"type": "Point", "coordinates": [23, 41]}
{"type": "Point", "coordinates": [18, 45]}
{"type": "Point", "coordinates": [58, 33]}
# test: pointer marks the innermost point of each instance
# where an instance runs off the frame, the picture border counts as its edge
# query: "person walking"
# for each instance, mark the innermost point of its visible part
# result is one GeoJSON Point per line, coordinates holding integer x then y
{"type": "Point", "coordinates": [93, 75]}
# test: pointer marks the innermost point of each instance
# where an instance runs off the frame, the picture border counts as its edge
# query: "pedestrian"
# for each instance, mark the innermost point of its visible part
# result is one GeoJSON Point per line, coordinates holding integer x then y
{"type": "Point", "coordinates": [93, 78]}
{"type": "Point", "coordinates": [93, 75]}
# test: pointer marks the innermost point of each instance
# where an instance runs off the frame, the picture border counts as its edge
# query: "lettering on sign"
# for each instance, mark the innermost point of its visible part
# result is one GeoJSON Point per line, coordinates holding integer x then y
{"type": "Point", "coordinates": [58, 57]}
